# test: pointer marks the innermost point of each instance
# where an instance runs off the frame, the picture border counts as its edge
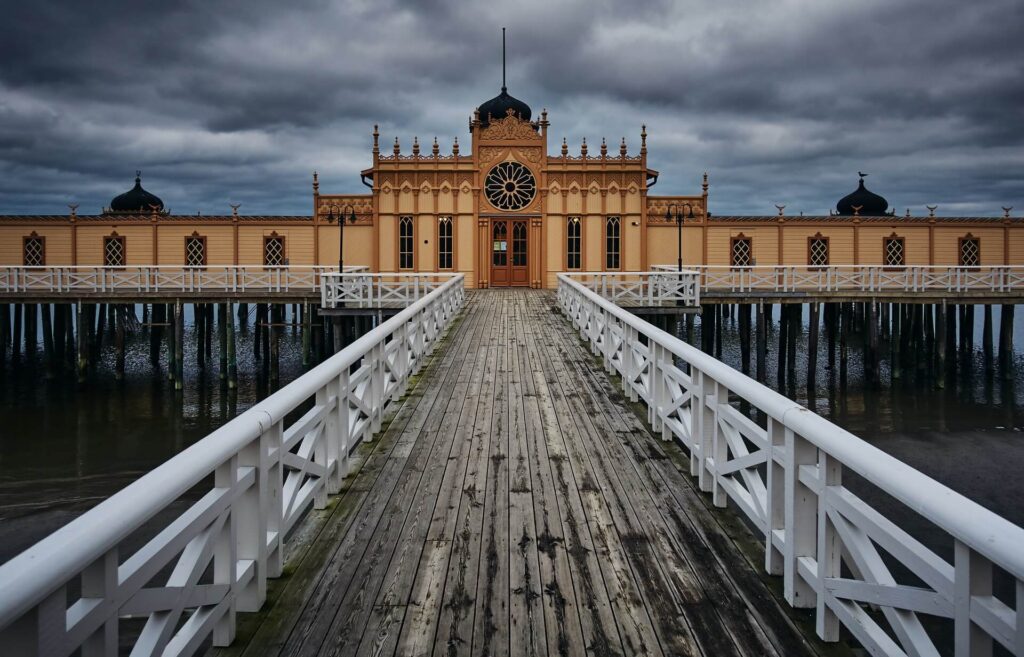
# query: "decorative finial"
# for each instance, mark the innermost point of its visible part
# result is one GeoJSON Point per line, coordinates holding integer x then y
{"type": "Point", "coordinates": [704, 185]}
{"type": "Point", "coordinates": [234, 208]}
{"type": "Point", "coordinates": [780, 208]}
{"type": "Point", "coordinates": [502, 60]}
{"type": "Point", "coordinates": [622, 148]}
{"type": "Point", "coordinates": [455, 146]}
{"type": "Point", "coordinates": [583, 148]}
{"type": "Point", "coordinates": [908, 213]}
{"type": "Point", "coordinates": [931, 210]}
{"type": "Point", "coordinates": [316, 183]}
{"type": "Point", "coordinates": [856, 210]}
{"type": "Point", "coordinates": [435, 150]}
{"type": "Point", "coordinates": [74, 209]}
{"type": "Point", "coordinates": [1006, 211]}
{"type": "Point", "coordinates": [544, 116]}
{"type": "Point", "coordinates": [138, 175]}
{"type": "Point", "coordinates": [376, 136]}
{"type": "Point", "coordinates": [604, 148]}
{"type": "Point", "coordinates": [862, 176]}
{"type": "Point", "coordinates": [643, 139]}
{"type": "Point", "coordinates": [565, 147]}
{"type": "Point", "coordinates": [398, 149]}
{"type": "Point", "coordinates": [415, 145]}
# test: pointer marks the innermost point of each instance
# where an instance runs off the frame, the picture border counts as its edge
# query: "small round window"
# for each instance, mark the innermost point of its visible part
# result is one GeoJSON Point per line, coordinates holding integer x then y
{"type": "Point", "coordinates": [510, 186]}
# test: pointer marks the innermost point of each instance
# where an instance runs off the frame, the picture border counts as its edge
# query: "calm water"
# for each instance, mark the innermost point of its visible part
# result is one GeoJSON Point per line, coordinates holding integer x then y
{"type": "Point", "coordinates": [63, 448]}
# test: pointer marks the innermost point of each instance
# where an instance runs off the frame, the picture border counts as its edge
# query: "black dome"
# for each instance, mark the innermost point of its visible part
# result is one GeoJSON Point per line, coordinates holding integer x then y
{"type": "Point", "coordinates": [868, 203]}
{"type": "Point", "coordinates": [498, 107]}
{"type": "Point", "coordinates": [136, 199]}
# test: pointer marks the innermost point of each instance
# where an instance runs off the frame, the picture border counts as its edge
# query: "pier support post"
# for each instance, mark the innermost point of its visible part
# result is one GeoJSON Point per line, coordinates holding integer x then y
{"type": "Point", "coordinates": [783, 343]}
{"type": "Point", "coordinates": [16, 335]}
{"type": "Point", "coordinates": [5, 328]}
{"type": "Point", "coordinates": [1006, 339]}
{"type": "Point", "coordinates": [812, 343]}
{"type": "Point", "coordinates": [940, 344]}
{"type": "Point", "coordinates": [69, 343]}
{"type": "Point", "coordinates": [762, 342]}
{"type": "Point", "coordinates": [277, 319]}
{"type": "Point", "coordinates": [895, 341]}
{"type": "Point", "coordinates": [223, 310]}
{"type": "Point", "coordinates": [83, 337]}
{"type": "Point", "coordinates": [199, 324]}
{"type": "Point", "coordinates": [986, 335]}
{"type": "Point", "coordinates": [31, 328]}
{"type": "Point", "coordinates": [795, 315]}
{"type": "Point", "coordinates": [845, 315]}
{"type": "Point", "coordinates": [157, 316]}
{"type": "Point", "coordinates": [305, 334]}
{"type": "Point", "coordinates": [743, 311]}
{"type": "Point", "coordinates": [120, 315]}
{"type": "Point", "coordinates": [179, 348]}
{"type": "Point", "coordinates": [59, 336]}
{"type": "Point", "coordinates": [871, 355]}
{"type": "Point", "coordinates": [232, 361]}
{"type": "Point", "coordinates": [44, 310]}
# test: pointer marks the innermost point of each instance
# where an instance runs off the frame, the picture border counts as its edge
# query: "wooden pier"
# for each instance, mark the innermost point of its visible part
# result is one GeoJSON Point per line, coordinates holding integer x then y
{"type": "Point", "coordinates": [516, 505]}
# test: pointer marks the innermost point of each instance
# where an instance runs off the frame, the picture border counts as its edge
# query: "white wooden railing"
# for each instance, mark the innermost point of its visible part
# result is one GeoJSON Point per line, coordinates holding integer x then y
{"type": "Point", "coordinates": [857, 278]}
{"type": "Point", "coordinates": [163, 279]}
{"type": "Point", "coordinates": [375, 290]}
{"type": "Point", "coordinates": [651, 288]}
{"type": "Point", "coordinates": [243, 488]}
{"type": "Point", "coordinates": [832, 548]}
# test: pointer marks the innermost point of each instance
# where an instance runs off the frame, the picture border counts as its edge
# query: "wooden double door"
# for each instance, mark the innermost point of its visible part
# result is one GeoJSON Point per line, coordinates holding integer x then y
{"type": "Point", "coordinates": [510, 255]}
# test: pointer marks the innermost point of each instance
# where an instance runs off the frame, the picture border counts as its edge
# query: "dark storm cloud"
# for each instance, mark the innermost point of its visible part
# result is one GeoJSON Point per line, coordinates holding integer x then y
{"type": "Point", "coordinates": [224, 102]}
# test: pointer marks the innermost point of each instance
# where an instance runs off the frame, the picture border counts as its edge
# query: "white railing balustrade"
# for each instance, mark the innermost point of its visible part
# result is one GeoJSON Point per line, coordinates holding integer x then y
{"type": "Point", "coordinates": [1008, 279]}
{"type": "Point", "coordinates": [243, 488]}
{"type": "Point", "coordinates": [651, 288]}
{"type": "Point", "coordinates": [785, 474]}
{"type": "Point", "coordinates": [164, 279]}
{"type": "Point", "coordinates": [376, 290]}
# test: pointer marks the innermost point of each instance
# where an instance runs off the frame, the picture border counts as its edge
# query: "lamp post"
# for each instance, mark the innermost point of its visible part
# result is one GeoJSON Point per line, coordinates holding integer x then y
{"type": "Point", "coordinates": [677, 213]}
{"type": "Point", "coordinates": [341, 230]}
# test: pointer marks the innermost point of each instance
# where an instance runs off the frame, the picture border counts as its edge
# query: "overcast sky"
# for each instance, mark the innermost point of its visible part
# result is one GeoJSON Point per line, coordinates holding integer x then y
{"type": "Point", "coordinates": [781, 102]}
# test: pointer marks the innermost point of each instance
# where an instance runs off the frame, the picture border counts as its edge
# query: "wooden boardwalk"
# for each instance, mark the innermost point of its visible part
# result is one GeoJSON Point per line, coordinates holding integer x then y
{"type": "Point", "coordinates": [516, 506]}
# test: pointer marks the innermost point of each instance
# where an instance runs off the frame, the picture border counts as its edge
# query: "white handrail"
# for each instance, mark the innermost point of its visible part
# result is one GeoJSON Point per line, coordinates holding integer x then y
{"type": "Point", "coordinates": [265, 476]}
{"type": "Point", "coordinates": [869, 279]}
{"type": "Point", "coordinates": [232, 279]}
{"type": "Point", "coordinates": [375, 289]}
{"type": "Point", "coordinates": [786, 476]}
{"type": "Point", "coordinates": [646, 288]}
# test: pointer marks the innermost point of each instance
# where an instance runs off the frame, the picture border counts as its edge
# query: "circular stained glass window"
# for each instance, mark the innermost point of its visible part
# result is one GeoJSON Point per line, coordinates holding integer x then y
{"type": "Point", "coordinates": [510, 186]}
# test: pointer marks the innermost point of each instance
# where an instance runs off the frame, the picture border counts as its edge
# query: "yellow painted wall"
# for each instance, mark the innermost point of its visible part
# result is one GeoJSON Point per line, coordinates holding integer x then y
{"type": "Point", "coordinates": [663, 245]}
{"type": "Point", "coordinates": [794, 246]}
{"type": "Point", "coordinates": [220, 242]}
{"type": "Point", "coordinates": [57, 244]}
{"type": "Point", "coordinates": [298, 243]}
{"type": "Point", "coordinates": [947, 243]}
{"type": "Point", "coordinates": [871, 244]}
{"type": "Point", "coordinates": [138, 244]}
{"type": "Point", "coordinates": [358, 245]}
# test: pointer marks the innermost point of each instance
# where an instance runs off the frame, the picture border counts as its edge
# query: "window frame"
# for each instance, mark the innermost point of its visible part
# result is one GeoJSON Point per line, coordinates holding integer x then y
{"type": "Point", "coordinates": [886, 265]}
{"type": "Point", "coordinates": [114, 237]}
{"type": "Point", "coordinates": [828, 251]}
{"type": "Point", "coordinates": [284, 249]}
{"type": "Point", "coordinates": [732, 251]}
{"type": "Point", "coordinates": [576, 220]}
{"type": "Point", "coordinates": [449, 221]}
{"type": "Point", "coordinates": [202, 240]}
{"type": "Point", "coordinates": [960, 251]}
{"type": "Point", "coordinates": [407, 219]}
{"type": "Point", "coordinates": [42, 249]}
{"type": "Point", "coordinates": [609, 221]}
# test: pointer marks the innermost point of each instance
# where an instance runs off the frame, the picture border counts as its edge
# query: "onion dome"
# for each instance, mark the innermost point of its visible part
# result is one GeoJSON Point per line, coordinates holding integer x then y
{"type": "Point", "coordinates": [137, 200]}
{"type": "Point", "coordinates": [499, 106]}
{"type": "Point", "coordinates": [862, 202]}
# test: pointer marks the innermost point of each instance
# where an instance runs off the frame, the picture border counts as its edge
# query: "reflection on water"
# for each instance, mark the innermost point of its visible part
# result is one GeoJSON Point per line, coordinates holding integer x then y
{"type": "Point", "coordinates": [65, 447]}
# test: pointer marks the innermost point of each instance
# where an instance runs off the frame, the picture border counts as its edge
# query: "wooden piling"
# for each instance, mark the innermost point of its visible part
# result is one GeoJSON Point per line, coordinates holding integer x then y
{"type": "Point", "coordinates": [275, 341]}
{"type": "Point", "coordinates": [100, 312]}
{"type": "Point", "coordinates": [795, 315]}
{"type": "Point", "coordinates": [812, 343]}
{"type": "Point", "coordinates": [5, 329]}
{"type": "Point", "coordinates": [199, 328]}
{"type": "Point", "coordinates": [232, 361]}
{"type": "Point", "coordinates": [940, 344]}
{"type": "Point", "coordinates": [762, 342]}
{"type": "Point", "coordinates": [969, 319]}
{"type": "Point", "coordinates": [986, 335]}
{"type": "Point", "coordinates": [83, 342]}
{"type": "Point", "coordinates": [120, 316]}
{"type": "Point", "coordinates": [1006, 313]}
{"type": "Point", "coordinates": [845, 316]}
{"type": "Point", "coordinates": [69, 343]}
{"type": "Point", "coordinates": [783, 344]}
{"type": "Point", "coordinates": [744, 321]}
{"type": "Point", "coordinates": [895, 341]}
{"type": "Point", "coordinates": [47, 326]}
{"type": "Point", "coordinates": [31, 328]}
{"type": "Point", "coordinates": [223, 312]}
{"type": "Point", "coordinates": [208, 341]}
{"type": "Point", "coordinates": [871, 344]}
{"type": "Point", "coordinates": [264, 330]}
{"type": "Point", "coordinates": [59, 336]}
{"type": "Point", "coordinates": [719, 325]}
{"type": "Point", "coordinates": [16, 335]}
{"type": "Point", "coordinates": [306, 325]}
{"type": "Point", "coordinates": [179, 346]}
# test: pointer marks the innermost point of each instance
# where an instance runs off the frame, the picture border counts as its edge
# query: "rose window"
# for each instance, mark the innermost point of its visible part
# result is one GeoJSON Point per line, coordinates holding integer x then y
{"type": "Point", "coordinates": [510, 186]}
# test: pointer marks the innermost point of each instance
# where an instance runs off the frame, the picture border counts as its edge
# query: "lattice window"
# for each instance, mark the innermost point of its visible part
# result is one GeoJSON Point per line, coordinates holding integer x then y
{"type": "Point", "coordinates": [613, 242]}
{"type": "Point", "coordinates": [273, 251]}
{"type": "Point", "coordinates": [195, 251]}
{"type": "Point", "coordinates": [444, 243]}
{"type": "Point", "coordinates": [742, 252]}
{"type": "Point", "coordinates": [970, 251]}
{"type": "Point", "coordinates": [113, 251]}
{"type": "Point", "coordinates": [817, 252]}
{"type": "Point", "coordinates": [405, 243]}
{"type": "Point", "coordinates": [35, 251]}
{"type": "Point", "coordinates": [573, 243]}
{"type": "Point", "coordinates": [894, 252]}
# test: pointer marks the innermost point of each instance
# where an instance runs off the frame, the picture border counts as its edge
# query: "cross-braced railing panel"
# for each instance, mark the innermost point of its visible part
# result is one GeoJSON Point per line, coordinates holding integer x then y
{"type": "Point", "coordinates": [78, 281]}
{"type": "Point", "coordinates": [644, 288]}
{"type": "Point", "coordinates": [836, 553]}
{"type": "Point", "coordinates": [1001, 279]}
{"type": "Point", "coordinates": [213, 520]}
{"type": "Point", "coordinates": [375, 290]}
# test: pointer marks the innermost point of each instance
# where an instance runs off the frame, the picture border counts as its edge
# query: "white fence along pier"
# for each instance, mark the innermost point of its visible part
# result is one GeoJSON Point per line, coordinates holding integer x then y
{"type": "Point", "coordinates": [242, 489]}
{"type": "Point", "coordinates": [832, 549]}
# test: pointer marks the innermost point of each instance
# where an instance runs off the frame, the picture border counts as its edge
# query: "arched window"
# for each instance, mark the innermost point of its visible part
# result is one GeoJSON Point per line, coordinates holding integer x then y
{"type": "Point", "coordinates": [741, 251]}
{"type": "Point", "coordinates": [444, 243]}
{"type": "Point", "coordinates": [195, 250]}
{"type": "Point", "coordinates": [273, 250]}
{"type": "Point", "coordinates": [405, 243]}
{"type": "Point", "coordinates": [34, 250]}
{"type": "Point", "coordinates": [893, 251]}
{"type": "Point", "coordinates": [612, 242]}
{"type": "Point", "coordinates": [573, 243]}
{"type": "Point", "coordinates": [817, 251]}
{"type": "Point", "coordinates": [970, 251]}
{"type": "Point", "coordinates": [113, 250]}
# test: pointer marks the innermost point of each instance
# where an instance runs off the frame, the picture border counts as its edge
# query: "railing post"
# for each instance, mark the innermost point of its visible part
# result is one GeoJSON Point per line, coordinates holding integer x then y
{"type": "Point", "coordinates": [377, 373]}
{"type": "Point", "coordinates": [41, 630]}
{"type": "Point", "coordinates": [972, 576]}
{"type": "Point", "coordinates": [333, 457]}
{"type": "Point", "coordinates": [343, 423]}
{"type": "Point", "coordinates": [99, 581]}
{"type": "Point", "coordinates": [225, 556]}
{"type": "Point", "coordinates": [829, 548]}
{"type": "Point", "coordinates": [271, 456]}
{"type": "Point", "coordinates": [707, 410]}
{"type": "Point", "coordinates": [801, 520]}
{"type": "Point", "coordinates": [250, 515]}
{"type": "Point", "coordinates": [719, 448]}
{"type": "Point", "coordinates": [659, 395]}
{"type": "Point", "coordinates": [775, 506]}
